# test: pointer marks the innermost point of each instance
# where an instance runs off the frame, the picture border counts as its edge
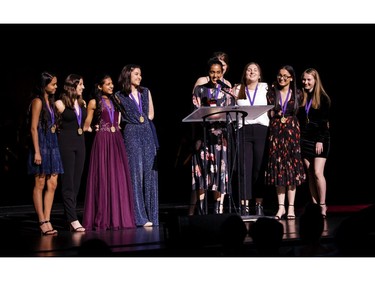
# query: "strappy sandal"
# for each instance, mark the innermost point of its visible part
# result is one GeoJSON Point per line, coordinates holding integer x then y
{"type": "Point", "coordinates": [282, 215]}
{"type": "Point", "coordinates": [321, 207]}
{"type": "Point", "coordinates": [290, 217]}
{"type": "Point", "coordinates": [47, 232]}
{"type": "Point", "coordinates": [76, 229]}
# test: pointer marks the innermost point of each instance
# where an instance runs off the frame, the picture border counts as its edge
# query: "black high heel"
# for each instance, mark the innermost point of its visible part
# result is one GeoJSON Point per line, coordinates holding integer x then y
{"type": "Point", "coordinates": [324, 215]}
{"type": "Point", "coordinates": [48, 232]}
{"type": "Point", "coordinates": [282, 215]}
{"type": "Point", "coordinates": [290, 217]}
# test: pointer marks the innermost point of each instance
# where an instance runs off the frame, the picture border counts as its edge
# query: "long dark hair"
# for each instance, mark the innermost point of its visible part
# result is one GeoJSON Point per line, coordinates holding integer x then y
{"type": "Point", "coordinates": [124, 80]}
{"type": "Point", "coordinates": [293, 86]}
{"type": "Point", "coordinates": [38, 92]}
{"type": "Point", "coordinates": [97, 95]}
{"type": "Point", "coordinates": [69, 93]}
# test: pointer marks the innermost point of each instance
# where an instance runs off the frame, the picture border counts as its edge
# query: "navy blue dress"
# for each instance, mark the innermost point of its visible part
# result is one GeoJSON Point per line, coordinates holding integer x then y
{"type": "Point", "coordinates": [141, 149]}
{"type": "Point", "coordinates": [49, 151]}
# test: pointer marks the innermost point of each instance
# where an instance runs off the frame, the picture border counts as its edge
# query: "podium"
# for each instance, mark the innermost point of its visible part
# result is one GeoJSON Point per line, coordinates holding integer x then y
{"type": "Point", "coordinates": [220, 113]}
{"type": "Point", "coordinates": [227, 114]}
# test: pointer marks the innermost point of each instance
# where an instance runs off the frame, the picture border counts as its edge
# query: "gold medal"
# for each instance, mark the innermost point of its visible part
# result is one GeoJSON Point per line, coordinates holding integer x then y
{"type": "Point", "coordinates": [113, 129]}
{"type": "Point", "coordinates": [80, 131]}
{"type": "Point", "coordinates": [141, 119]}
{"type": "Point", "coordinates": [283, 119]}
{"type": "Point", "coordinates": [53, 129]}
{"type": "Point", "coordinates": [307, 120]}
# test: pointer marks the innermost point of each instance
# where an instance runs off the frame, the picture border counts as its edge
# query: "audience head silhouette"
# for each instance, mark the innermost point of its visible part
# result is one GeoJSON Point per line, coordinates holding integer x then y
{"type": "Point", "coordinates": [267, 235]}
{"type": "Point", "coordinates": [311, 224]}
{"type": "Point", "coordinates": [94, 248]}
{"type": "Point", "coordinates": [233, 231]}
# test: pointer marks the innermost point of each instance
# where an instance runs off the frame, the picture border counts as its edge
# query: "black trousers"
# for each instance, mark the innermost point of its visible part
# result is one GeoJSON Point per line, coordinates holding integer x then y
{"type": "Point", "coordinates": [253, 157]}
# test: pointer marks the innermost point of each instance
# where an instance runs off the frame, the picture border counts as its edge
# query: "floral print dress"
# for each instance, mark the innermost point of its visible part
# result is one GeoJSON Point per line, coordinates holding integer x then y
{"type": "Point", "coordinates": [285, 166]}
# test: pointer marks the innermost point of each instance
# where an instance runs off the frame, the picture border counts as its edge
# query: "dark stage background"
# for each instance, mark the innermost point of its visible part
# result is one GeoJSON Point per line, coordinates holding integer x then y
{"type": "Point", "coordinates": [172, 57]}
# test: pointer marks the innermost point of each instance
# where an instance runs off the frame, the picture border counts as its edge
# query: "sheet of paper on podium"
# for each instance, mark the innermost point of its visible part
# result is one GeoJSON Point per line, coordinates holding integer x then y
{"type": "Point", "coordinates": [219, 113]}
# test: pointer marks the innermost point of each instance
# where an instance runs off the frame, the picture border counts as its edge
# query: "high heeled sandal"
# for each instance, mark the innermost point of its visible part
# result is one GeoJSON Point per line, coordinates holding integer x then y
{"type": "Point", "coordinates": [323, 204]}
{"type": "Point", "coordinates": [77, 229]}
{"type": "Point", "coordinates": [48, 221]}
{"type": "Point", "coordinates": [47, 232]}
{"type": "Point", "coordinates": [283, 214]}
{"type": "Point", "coordinates": [221, 208]}
{"type": "Point", "coordinates": [291, 217]}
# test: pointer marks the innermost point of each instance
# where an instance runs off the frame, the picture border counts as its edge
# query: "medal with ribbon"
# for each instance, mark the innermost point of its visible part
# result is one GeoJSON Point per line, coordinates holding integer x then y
{"type": "Point", "coordinates": [139, 105]}
{"type": "Point", "coordinates": [283, 106]}
{"type": "Point", "coordinates": [52, 113]}
{"type": "Point", "coordinates": [307, 109]}
{"type": "Point", "coordinates": [111, 112]}
{"type": "Point", "coordinates": [79, 119]}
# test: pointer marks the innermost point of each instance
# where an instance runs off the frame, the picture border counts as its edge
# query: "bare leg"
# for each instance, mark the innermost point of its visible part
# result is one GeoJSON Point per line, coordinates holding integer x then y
{"type": "Point", "coordinates": [221, 207]}
{"type": "Point", "coordinates": [38, 197]}
{"type": "Point", "coordinates": [281, 200]}
{"type": "Point", "coordinates": [311, 181]}
{"type": "Point", "coordinates": [201, 202]}
{"type": "Point", "coordinates": [48, 198]}
{"type": "Point", "coordinates": [45, 228]}
{"type": "Point", "coordinates": [219, 199]}
{"type": "Point", "coordinates": [321, 184]}
{"type": "Point", "coordinates": [291, 199]}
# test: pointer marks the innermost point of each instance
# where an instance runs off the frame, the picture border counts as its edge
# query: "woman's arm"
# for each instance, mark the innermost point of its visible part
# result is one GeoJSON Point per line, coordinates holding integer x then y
{"type": "Point", "coordinates": [150, 106]}
{"type": "Point", "coordinates": [90, 114]}
{"type": "Point", "coordinates": [36, 108]}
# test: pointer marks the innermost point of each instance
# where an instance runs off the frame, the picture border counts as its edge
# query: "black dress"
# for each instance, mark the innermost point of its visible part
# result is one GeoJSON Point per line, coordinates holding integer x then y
{"type": "Point", "coordinates": [314, 128]}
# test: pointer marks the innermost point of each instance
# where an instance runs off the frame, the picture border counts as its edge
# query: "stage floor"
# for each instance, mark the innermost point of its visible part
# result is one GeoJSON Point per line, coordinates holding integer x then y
{"type": "Point", "coordinates": [21, 236]}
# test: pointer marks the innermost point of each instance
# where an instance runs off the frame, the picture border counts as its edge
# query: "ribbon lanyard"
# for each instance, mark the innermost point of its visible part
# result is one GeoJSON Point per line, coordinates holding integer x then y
{"type": "Point", "coordinates": [79, 119]}
{"type": "Point", "coordinates": [139, 105]}
{"type": "Point", "coordinates": [254, 95]}
{"type": "Point", "coordinates": [283, 106]}
{"type": "Point", "coordinates": [111, 110]}
{"type": "Point", "coordinates": [307, 109]}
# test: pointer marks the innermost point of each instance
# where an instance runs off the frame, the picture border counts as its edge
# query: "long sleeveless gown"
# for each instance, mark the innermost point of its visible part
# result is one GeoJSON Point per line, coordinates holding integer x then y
{"type": "Point", "coordinates": [109, 194]}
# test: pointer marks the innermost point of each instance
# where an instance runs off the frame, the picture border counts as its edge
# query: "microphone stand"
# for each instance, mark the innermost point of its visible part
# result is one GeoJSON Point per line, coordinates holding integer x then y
{"type": "Point", "coordinates": [232, 157]}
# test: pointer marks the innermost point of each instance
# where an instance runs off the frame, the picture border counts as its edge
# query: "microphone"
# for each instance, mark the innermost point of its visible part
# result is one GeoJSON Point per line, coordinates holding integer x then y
{"type": "Point", "coordinates": [222, 84]}
{"type": "Point", "coordinates": [225, 88]}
